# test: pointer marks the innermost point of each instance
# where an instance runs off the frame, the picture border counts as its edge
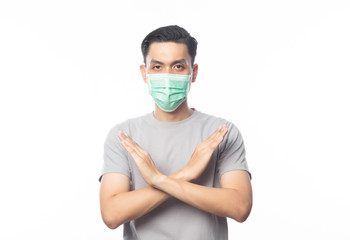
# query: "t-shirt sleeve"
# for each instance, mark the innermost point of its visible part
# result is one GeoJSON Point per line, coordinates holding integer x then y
{"type": "Point", "coordinates": [232, 152]}
{"type": "Point", "coordinates": [115, 159]}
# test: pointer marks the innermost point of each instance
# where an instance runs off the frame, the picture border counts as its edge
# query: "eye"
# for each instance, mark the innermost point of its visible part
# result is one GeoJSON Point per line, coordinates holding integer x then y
{"type": "Point", "coordinates": [156, 67]}
{"type": "Point", "coordinates": [178, 67]}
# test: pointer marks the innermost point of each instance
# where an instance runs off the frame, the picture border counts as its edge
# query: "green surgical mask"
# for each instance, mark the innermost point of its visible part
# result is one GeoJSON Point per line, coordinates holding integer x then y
{"type": "Point", "coordinates": [168, 90]}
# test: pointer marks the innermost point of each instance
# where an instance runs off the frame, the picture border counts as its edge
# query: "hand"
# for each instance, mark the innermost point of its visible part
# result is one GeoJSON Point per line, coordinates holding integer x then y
{"type": "Point", "coordinates": [142, 159]}
{"type": "Point", "coordinates": [202, 154]}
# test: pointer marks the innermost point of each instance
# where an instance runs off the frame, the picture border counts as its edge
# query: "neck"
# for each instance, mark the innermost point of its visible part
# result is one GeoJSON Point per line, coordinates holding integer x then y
{"type": "Point", "coordinates": [181, 113]}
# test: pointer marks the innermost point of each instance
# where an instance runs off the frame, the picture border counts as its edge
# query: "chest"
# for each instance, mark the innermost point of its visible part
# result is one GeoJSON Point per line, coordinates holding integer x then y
{"type": "Point", "coordinates": [170, 151]}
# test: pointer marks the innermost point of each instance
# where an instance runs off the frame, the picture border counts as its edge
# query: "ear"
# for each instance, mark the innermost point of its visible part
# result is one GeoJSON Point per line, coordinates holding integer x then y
{"type": "Point", "coordinates": [143, 72]}
{"type": "Point", "coordinates": [195, 72]}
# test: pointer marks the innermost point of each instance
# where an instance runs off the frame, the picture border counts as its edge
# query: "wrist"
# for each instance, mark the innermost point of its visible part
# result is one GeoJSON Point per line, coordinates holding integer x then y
{"type": "Point", "coordinates": [157, 180]}
{"type": "Point", "coordinates": [183, 174]}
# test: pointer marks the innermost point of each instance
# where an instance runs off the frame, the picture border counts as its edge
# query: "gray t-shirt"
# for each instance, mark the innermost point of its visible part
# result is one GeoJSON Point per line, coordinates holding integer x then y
{"type": "Point", "coordinates": [171, 145]}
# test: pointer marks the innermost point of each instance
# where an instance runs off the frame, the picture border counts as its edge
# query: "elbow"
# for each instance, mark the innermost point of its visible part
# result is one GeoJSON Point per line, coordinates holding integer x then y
{"type": "Point", "coordinates": [110, 222]}
{"type": "Point", "coordinates": [111, 225]}
{"type": "Point", "coordinates": [242, 218]}
{"type": "Point", "coordinates": [113, 217]}
{"type": "Point", "coordinates": [242, 213]}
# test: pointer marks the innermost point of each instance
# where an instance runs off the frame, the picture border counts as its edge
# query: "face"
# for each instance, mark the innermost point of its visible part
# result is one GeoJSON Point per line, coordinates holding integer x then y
{"type": "Point", "coordinates": [168, 57]}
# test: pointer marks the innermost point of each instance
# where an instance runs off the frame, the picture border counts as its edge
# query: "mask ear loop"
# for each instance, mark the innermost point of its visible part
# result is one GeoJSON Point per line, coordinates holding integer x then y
{"type": "Point", "coordinates": [147, 75]}
{"type": "Point", "coordinates": [148, 78]}
{"type": "Point", "coordinates": [190, 81]}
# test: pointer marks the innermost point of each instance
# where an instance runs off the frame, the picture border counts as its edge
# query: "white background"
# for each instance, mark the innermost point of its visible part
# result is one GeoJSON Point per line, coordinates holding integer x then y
{"type": "Point", "coordinates": [279, 70]}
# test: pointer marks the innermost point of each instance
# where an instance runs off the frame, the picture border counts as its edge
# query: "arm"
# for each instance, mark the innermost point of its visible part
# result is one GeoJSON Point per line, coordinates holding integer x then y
{"type": "Point", "coordinates": [119, 205]}
{"type": "Point", "coordinates": [233, 200]}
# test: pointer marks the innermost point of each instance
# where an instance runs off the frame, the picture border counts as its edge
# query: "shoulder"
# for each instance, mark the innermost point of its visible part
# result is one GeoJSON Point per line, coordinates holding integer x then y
{"type": "Point", "coordinates": [130, 123]}
{"type": "Point", "coordinates": [214, 122]}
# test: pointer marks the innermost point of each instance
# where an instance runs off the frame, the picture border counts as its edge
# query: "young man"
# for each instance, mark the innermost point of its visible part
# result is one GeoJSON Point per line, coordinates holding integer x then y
{"type": "Point", "coordinates": [175, 173]}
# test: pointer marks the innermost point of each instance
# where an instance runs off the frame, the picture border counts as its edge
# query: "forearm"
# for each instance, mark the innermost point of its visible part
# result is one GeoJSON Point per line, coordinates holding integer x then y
{"type": "Point", "coordinates": [131, 205]}
{"type": "Point", "coordinates": [127, 206]}
{"type": "Point", "coordinates": [225, 202]}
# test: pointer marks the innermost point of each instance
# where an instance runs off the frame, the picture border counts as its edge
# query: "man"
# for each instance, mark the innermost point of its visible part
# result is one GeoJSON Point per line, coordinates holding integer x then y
{"type": "Point", "coordinates": [175, 173]}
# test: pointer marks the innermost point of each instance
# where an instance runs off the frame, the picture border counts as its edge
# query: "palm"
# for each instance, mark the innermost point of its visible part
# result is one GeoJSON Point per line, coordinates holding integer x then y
{"type": "Point", "coordinates": [203, 152]}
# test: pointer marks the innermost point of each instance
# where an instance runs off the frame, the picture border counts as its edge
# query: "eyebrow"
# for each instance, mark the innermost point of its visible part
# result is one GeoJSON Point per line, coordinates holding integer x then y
{"type": "Point", "coordinates": [154, 61]}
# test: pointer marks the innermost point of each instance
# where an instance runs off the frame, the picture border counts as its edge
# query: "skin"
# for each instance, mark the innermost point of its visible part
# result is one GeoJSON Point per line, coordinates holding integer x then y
{"type": "Point", "coordinates": [170, 57]}
{"type": "Point", "coordinates": [119, 204]}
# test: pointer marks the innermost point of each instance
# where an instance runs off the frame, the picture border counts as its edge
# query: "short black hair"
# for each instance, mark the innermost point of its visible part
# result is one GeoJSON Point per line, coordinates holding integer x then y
{"type": "Point", "coordinates": [172, 33]}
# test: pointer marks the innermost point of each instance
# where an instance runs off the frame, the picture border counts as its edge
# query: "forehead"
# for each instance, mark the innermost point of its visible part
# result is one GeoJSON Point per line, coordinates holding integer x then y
{"type": "Point", "coordinates": [167, 52]}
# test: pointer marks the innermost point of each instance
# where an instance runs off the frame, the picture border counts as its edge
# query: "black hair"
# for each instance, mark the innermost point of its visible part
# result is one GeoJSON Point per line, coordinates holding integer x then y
{"type": "Point", "coordinates": [172, 33]}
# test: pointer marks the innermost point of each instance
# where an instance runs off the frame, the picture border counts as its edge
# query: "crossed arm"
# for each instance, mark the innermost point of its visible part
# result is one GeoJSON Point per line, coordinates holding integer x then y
{"type": "Point", "coordinates": [119, 205]}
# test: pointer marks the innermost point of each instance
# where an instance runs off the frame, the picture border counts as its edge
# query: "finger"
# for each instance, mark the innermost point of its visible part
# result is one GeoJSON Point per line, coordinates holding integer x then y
{"type": "Point", "coordinates": [120, 135]}
{"type": "Point", "coordinates": [212, 139]}
{"type": "Point", "coordinates": [215, 142]}
{"type": "Point", "coordinates": [128, 148]}
{"type": "Point", "coordinates": [126, 141]}
{"type": "Point", "coordinates": [133, 146]}
{"type": "Point", "coordinates": [134, 152]}
{"type": "Point", "coordinates": [223, 131]}
{"type": "Point", "coordinates": [217, 133]}
{"type": "Point", "coordinates": [218, 136]}
{"type": "Point", "coordinates": [129, 140]}
{"type": "Point", "coordinates": [214, 134]}
{"type": "Point", "coordinates": [124, 137]}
